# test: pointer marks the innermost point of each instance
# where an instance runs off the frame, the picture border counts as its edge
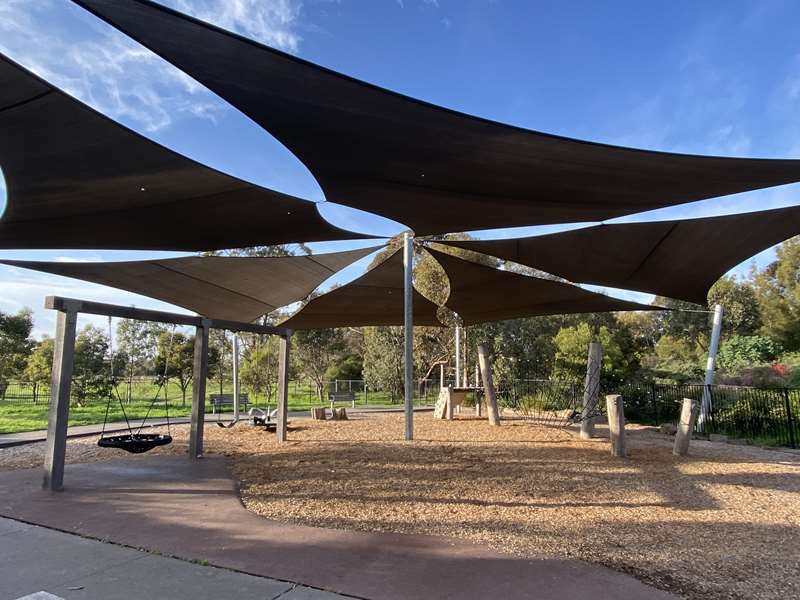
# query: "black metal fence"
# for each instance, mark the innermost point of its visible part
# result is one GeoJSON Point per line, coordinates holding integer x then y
{"type": "Point", "coordinates": [769, 416]}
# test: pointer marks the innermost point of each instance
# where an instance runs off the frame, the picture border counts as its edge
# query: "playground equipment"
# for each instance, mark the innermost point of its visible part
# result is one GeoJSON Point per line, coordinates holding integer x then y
{"type": "Point", "coordinates": [135, 442]}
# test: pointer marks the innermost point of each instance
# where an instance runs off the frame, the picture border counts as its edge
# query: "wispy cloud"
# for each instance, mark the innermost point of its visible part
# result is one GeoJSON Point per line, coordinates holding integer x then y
{"type": "Point", "coordinates": [117, 76]}
{"type": "Point", "coordinates": [273, 22]}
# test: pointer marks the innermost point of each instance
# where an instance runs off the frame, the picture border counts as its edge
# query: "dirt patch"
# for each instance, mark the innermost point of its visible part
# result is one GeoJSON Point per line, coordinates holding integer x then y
{"type": "Point", "coordinates": [723, 523]}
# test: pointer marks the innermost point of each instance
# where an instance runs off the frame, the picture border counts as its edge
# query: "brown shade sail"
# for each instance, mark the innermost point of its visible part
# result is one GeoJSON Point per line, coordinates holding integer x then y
{"type": "Point", "coordinates": [76, 179]}
{"type": "Point", "coordinates": [433, 169]}
{"type": "Point", "coordinates": [218, 287]}
{"type": "Point", "coordinates": [375, 298]}
{"type": "Point", "coordinates": [479, 293]}
{"type": "Point", "coordinates": [679, 259]}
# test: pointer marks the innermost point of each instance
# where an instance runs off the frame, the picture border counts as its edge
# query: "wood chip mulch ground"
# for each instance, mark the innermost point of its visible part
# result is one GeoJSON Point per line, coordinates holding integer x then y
{"type": "Point", "coordinates": [722, 523]}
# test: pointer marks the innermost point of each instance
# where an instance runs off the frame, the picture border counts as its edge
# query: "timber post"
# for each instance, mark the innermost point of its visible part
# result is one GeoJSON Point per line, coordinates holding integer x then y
{"type": "Point", "coordinates": [591, 389]}
{"type": "Point", "coordinates": [60, 386]}
{"type": "Point", "coordinates": [199, 376]}
{"type": "Point", "coordinates": [283, 387]}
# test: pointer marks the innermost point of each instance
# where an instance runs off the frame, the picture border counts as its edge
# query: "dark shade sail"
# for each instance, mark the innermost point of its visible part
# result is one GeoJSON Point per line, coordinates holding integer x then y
{"type": "Point", "coordinates": [76, 179]}
{"type": "Point", "coordinates": [218, 287]}
{"type": "Point", "coordinates": [678, 259]}
{"type": "Point", "coordinates": [433, 169]}
{"type": "Point", "coordinates": [479, 293]}
{"type": "Point", "coordinates": [375, 298]}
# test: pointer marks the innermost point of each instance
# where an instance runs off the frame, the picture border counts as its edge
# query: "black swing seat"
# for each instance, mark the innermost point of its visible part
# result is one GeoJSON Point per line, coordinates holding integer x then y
{"type": "Point", "coordinates": [135, 443]}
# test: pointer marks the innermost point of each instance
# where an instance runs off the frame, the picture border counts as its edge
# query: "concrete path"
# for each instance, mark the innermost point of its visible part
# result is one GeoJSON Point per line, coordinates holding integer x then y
{"type": "Point", "coordinates": [42, 564]}
{"type": "Point", "coordinates": [191, 509]}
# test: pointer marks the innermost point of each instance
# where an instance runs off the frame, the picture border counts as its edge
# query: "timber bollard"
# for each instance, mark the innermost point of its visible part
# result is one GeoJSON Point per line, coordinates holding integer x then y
{"type": "Point", "coordinates": [616, 424]}
{"type": "Point", "coordinates": [591, 389]}
{"type": "Point", "coordinates": [683, 436]}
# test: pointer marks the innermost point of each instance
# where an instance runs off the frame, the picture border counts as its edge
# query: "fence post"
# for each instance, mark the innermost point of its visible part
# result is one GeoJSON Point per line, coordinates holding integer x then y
{"type": "Point", "coordinates": [789, 418]}
{"type": "Point", "coordinates": [653, 400]}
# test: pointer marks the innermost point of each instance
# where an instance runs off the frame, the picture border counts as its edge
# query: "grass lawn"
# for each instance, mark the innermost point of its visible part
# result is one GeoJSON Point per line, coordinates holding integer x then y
{"type": "Point", "coordinates": [17, 416]}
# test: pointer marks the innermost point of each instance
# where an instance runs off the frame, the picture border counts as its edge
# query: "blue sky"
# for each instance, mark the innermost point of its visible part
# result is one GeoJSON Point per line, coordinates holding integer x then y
{"type": "Point", "coordinates": [708, 77]}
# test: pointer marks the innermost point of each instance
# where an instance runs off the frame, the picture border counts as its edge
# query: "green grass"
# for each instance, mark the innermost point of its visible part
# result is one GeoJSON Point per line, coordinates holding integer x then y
{"type": "Point", "coordinates": [16, 416]}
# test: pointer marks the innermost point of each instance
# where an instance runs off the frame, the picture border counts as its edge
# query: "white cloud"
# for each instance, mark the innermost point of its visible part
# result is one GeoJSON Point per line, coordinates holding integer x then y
{"type": "Point", "coordinates": [273, 22]}
{"type": "Point", "coordinates": [117, 76]}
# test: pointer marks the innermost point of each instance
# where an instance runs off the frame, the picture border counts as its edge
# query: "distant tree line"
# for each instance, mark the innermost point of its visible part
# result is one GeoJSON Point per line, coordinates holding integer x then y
{"type": "Point", "coordinates": [760, 343]}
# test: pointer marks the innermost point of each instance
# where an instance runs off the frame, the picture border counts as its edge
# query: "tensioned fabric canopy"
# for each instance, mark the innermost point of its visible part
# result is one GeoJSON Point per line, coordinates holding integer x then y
{"type": "Point", "coordinates": [375, 298]}
{"type": "Point", "coordinates": [433, 169]}
{"type": "Point", "coordinates": [479, 293]}
{"type": "Point", "coordinates": [77, 179]}
{"type": "Point", "coordinates": [218, 287]}
{"type": "Point", "coordinates": [679, 259]}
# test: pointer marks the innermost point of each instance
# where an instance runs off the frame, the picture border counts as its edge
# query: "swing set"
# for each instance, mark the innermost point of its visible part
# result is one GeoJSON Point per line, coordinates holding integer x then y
{"type": "Point", "coordinates": [135, 440]}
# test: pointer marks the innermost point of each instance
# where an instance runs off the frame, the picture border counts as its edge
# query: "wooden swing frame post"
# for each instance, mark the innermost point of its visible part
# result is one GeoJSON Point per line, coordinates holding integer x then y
{"type": "Point", "coordinates": [64, 358]}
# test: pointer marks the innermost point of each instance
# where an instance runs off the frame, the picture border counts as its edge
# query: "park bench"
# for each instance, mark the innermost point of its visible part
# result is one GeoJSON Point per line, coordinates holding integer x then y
{"type": "Point", "coordinates": [334, 397]}
{"type": "Point", "coordinates": [220, 400]}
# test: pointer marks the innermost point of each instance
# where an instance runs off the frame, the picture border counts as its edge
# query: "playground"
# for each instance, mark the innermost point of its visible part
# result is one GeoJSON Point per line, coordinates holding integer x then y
{"type": "Point", "coordinates": [720, 522]}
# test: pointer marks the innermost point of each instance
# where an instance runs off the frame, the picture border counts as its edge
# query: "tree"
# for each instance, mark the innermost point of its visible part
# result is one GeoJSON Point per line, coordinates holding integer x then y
{"type": "Point", "coordinates": [39, 368]}
{"type": "Point", "coordinates": [219, 367]}
{"type": "Point", "coordinates": [314, 351]}
{"type": "Point", "coordinates": [685, 320]}
{"type": "Point", "coordinates": [348, 367]}
{"type": "Point", "coordinates": [572, 347]}
{"type": "Point", "coordinates": [259, 367]}
{"type": "Point", "coordinates": [137, 342]}
{"type": "Point", "coordinates": [15, 344]}
{"type": "Point", "coordinates": [777, 289]}
{"type": "Point", "coordinates": [739, 301]}
{"type": "Point", "coordinates": [678, 359]}
{"type": "Point", "coordinates": [176, 359]}
{"type": "Point", "coordinates": [91, 371]}
{"type": "Point", "coordinates": [383, 359]}
{"type": "Point", "coordinates": [740, 351]}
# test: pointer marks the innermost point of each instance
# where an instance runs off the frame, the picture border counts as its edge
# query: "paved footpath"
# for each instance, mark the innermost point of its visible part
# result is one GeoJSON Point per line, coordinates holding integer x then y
{"type": "Point", "coordinates": [7, 440]}
{"type": "Point", "coordinates": [43, 564]}
{"type": "Point", "coordinates": [191, 509]}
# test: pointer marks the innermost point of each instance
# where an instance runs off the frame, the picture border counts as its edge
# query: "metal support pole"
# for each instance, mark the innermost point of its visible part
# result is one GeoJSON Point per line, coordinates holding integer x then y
{"type": "Point", "coordinates": [235, 377]}
{"type": "Point", "coordinates": [199, 376]}
{"type": "Point", "coordinates": [60, 384]}
{"type": "Point", "coordinates": [441, 375]}
{"type": "Point", "coordinates": [458, 356]}
{"type": "Point", "coordinates": [408, 331]}
{"type": "Point", "coordinates": [283, 388]}
{"type": "Point", "coordinates": [711, 364]}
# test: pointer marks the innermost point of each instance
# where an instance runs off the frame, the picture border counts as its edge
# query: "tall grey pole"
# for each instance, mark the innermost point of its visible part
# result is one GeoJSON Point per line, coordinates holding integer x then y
{"type": "Point", "coordinates": [591, 389]}
{"type": "Point", "coordinates": [199, 377]}
{"type": "Point", "coordinates": [283, 387]}
{"type": "Point", "coordinates": [58, 415]}
{"type": "Point", "coordinates": [408, 331]}
{"type": "Point", "coordinates": [235, 377]}
{"type": "Point", "coordinates": [458, 356]}
{"type": "Point", "coordinates": [711, 364]}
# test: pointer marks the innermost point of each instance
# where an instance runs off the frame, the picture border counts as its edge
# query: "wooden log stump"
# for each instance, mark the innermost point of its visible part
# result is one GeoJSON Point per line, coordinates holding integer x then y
{"type": "Point", "coordinates": [339, 414]}
{"type": "Point", "coordinates": [319, 414]}
{"type": "Point", "coordinates": [616, 424]}
{"type": "Point", "coordinates": [689, 412]}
